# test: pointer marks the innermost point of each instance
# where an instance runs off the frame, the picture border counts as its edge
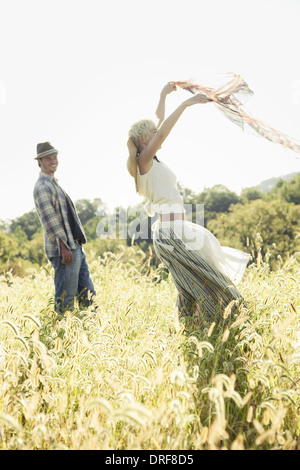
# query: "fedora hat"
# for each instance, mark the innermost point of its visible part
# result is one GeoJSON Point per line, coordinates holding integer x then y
{"type": "Point", "coordinates": [131, 161]}
{"type": "Point", "coordinates": [45, 149]}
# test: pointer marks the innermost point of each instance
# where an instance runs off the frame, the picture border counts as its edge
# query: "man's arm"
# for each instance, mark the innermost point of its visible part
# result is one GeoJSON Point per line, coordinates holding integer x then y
{"type": "Point", "coordinates": [49, 220]}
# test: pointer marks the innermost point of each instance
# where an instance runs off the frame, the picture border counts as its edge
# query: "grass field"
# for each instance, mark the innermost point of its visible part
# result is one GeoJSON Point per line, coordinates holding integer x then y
{"type": "Point", "coordinates": [129, 376]}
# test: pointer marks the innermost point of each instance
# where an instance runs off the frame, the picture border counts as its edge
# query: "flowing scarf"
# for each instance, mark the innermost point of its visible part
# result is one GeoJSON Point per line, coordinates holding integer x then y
{"type": "Point", "coordinates": [229, 97]}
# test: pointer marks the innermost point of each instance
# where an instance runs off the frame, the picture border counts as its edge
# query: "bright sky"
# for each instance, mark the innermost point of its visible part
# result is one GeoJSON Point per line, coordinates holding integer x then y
{"type": "Point", "coordinates": [79, 73]}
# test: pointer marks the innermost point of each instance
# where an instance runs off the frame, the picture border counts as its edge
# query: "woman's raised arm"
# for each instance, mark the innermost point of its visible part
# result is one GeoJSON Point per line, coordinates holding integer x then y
{"type": "Point", "coordinates": [160, 110]}
{"type": "Point", "coordinates": [150, 145]}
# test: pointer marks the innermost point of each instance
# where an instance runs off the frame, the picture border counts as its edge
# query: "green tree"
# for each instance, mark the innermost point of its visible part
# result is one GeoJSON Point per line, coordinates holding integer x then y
{"type": "Point", "coordinates": [35, 249]}
{"type": "Point", "coordinates": [87, 209]}
{"type": "Point", "coordinates": [217, 199]}
{"type": "Point", "coordinates": [277, 223]}
{"type": "Point", "coordinates": [288, 191]}
{"type": "Point", "coordinates": [29, 223]}
{"type": "Point", "coordinates": [8, 247]}
{"type": "Point", "coordinates": [251, 194]}
{"type": "Point", "coordinates": [5, 225]}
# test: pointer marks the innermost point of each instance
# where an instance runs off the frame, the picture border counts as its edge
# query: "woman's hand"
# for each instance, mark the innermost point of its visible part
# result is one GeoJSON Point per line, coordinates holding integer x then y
{"type": "Point", "coordinates": [196, 99]}
{"type": "Point", "coordinates": [160, 110]}
{"type": "Point", "coordinates": [168, 88]}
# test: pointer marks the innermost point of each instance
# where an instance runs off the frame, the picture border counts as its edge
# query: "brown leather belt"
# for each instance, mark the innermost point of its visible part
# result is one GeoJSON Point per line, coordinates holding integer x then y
{"type": "Point", "coordinates": [171, 217]}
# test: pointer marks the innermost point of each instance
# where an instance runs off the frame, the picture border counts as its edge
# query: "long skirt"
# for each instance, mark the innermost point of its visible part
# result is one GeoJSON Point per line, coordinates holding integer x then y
{"type": "Point", "coordinates": [202, 289]}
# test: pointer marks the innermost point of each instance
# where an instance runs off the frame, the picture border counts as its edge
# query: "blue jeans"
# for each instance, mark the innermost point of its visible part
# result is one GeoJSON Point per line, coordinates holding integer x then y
{"type": "Point", "coordinates": [72, 280]}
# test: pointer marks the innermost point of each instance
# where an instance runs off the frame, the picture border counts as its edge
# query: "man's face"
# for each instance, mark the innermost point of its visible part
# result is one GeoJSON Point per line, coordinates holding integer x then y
{"type": "Point", "coordinates": [49, 164]}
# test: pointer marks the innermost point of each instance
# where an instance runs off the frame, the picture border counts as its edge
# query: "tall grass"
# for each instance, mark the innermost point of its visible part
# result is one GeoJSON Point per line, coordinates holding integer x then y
{"type": "Point", "coordinates": [130, 376]}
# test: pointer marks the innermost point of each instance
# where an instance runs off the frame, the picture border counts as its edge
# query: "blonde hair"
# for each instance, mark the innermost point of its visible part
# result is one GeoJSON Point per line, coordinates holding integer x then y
{"type": "Point", "coordinates": [141, 128]}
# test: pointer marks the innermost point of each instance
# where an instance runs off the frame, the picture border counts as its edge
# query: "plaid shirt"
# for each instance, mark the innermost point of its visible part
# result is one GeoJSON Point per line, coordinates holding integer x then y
{"type": "Point", "coordinates": [51, 206]}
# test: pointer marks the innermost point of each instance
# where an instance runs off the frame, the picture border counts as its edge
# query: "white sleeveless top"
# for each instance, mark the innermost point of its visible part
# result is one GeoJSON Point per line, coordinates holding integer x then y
{"type": "Point", "coordinates": [159, 187]}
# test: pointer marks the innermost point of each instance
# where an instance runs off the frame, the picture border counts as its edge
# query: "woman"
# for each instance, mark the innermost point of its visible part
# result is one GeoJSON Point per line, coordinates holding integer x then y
{"type": "Point", "coordinates": [204, 272]}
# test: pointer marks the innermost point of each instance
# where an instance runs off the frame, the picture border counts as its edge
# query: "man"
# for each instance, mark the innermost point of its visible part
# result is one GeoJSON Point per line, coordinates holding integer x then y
{"type": "Point", "coordinates": [64, 235]}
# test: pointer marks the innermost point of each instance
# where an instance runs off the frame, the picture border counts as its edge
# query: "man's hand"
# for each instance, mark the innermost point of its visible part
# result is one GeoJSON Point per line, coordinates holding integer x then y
{"type": "Point", "coordinates": [67, 255]}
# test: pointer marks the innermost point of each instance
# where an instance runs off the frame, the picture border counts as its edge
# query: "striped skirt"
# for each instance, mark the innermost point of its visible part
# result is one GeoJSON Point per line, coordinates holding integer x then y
{"type": "Point", "coordinates": [202, 289]}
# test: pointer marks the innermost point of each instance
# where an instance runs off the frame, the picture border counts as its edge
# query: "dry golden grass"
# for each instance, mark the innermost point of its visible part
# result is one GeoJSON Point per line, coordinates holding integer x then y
{"type": "Point", "coordinates": [129, 376]}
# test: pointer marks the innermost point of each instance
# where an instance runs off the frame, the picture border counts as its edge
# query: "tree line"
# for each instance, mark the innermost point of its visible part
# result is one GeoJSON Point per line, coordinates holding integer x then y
{"type": "Point", "coordinates": [266, 225]}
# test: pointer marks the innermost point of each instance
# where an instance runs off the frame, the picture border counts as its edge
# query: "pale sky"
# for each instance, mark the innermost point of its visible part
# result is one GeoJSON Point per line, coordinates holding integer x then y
{"type": "Point", "coordinates": [79, 73]}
